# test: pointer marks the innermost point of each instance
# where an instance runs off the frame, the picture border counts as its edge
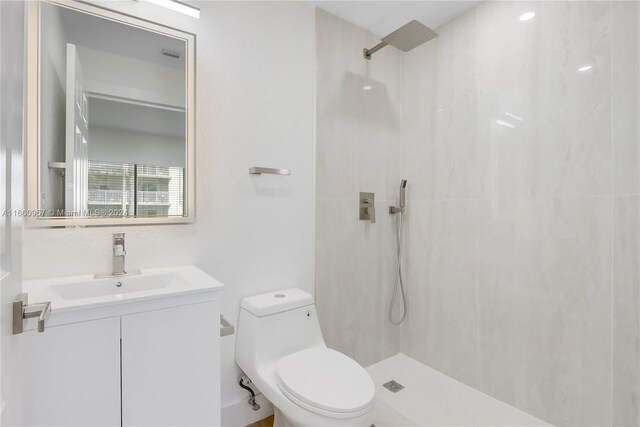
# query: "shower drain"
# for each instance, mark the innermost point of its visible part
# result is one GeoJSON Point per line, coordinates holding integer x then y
{"type": "Point", "coordinates": [393, 386]}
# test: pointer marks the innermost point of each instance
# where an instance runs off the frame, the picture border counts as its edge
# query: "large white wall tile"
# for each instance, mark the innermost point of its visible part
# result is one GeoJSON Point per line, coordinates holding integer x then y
{"type": "Point", "coordinates": [351, 281]}
{"type": "Point", "coordinates": [625, 102]}
{"type": "Point", "coordinates": [545, 306]}
{"type": "Point", "coordinates": [559, 142]}
{"type": "Point", "coordinates": [441, 260]}
{"type": "Point", "coordinates": [387, 256]}
{"type": "Point", "coordinates": [626, 311]}
{"type": "Point", "coordinates": [358, 131]}
{"type": "Point", "coordinates": [440, 152]}
{"type": "Point", "coordinates": [358, 148]}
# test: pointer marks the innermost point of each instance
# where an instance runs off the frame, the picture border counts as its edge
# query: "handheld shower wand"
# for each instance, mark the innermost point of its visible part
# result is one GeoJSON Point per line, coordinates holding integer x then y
{"type": "Point", "coordinates": [400, 208]}
{"type": "Point", "coordinates": [399, 212]}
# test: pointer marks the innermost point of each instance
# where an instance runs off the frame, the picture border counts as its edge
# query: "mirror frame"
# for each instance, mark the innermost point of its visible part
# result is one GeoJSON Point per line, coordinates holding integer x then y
{"type": "Point", "coordinates": [33, 119]}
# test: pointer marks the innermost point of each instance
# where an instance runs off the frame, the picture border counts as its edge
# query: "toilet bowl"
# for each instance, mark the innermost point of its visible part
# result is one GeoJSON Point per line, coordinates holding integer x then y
{"type": "Point", "coordinates": [279, 345]}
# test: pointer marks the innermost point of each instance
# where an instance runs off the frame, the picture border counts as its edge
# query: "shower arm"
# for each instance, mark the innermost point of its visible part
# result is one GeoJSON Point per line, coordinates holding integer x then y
{"type": "Point", "coordinates": [368, 52]}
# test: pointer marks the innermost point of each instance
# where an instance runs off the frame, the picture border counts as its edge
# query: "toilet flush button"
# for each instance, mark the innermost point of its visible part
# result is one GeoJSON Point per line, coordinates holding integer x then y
{"type": "Point", "coordinates": [279, 295]}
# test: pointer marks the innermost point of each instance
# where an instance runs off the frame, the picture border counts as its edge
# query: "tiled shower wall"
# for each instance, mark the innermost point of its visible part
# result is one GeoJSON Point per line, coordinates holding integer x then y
{"type": "Point", "coordinates": [357, 139]}
{"type": "Point", "coordinates": [522, 231]}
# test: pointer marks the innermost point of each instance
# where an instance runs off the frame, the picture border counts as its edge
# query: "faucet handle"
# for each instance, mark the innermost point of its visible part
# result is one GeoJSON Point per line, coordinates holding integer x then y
{"type": "Point", "coordinates": [371, 210]}
{"type": "Point", "coordinates": [367, 207]}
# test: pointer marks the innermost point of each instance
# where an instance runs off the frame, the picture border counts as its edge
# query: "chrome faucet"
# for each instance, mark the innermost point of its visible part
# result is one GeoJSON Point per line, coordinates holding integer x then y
{"type": "Point", "coordinates": [118, 269]}
{"type": "Point", "coordinates": [118, 254]}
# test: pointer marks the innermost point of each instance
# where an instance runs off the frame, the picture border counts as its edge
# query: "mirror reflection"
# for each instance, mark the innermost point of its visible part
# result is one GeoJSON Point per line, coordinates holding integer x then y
{"type": "Point", "coordinates": [113, 118]}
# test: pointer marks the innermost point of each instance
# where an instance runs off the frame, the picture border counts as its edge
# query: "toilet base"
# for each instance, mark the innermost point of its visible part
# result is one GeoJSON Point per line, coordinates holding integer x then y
{"type": "Point", "coordinates": [279, 420]}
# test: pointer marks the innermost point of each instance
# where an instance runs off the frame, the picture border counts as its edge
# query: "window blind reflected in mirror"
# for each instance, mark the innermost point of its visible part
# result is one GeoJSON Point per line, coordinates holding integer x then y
{"type": "Point", "coordinates": [135, 190]}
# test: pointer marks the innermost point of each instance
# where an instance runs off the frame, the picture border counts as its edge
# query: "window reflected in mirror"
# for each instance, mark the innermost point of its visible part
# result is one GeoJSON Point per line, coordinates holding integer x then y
{"type": "Point", "coordinates": [129, 189]}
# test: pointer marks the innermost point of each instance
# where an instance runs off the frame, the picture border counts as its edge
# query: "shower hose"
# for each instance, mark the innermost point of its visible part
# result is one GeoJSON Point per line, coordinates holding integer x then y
{"type": "Point", "coordinates": [399, 282]}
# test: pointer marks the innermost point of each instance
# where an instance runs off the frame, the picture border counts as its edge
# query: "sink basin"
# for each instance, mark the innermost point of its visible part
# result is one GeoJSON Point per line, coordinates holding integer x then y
{"type": "Point", "coordinates": [74, 293]}
{"type": "Point", "coordinates": [112, 286]}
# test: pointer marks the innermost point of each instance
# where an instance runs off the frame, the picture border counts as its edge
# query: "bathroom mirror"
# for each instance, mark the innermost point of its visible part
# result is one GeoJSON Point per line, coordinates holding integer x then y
{"type": "Point", "coordinates": [111, 118]}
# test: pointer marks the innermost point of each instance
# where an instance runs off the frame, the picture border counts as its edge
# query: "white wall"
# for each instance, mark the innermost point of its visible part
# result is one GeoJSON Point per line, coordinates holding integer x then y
{"type": "Point", "coordinates": [123, 146]}
{"type": "Point", "coordinates": [255, 107]}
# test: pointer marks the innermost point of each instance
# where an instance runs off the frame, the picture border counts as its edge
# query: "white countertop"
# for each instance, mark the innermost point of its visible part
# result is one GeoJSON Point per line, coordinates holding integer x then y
{"type": "Point", "coordinates": [186, 280]}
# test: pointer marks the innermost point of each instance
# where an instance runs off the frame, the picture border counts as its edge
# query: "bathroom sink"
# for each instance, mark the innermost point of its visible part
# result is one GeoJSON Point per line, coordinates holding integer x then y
{"type": "Point", "coordinates": [80, 292]}
{"type": "Point", "coordinates": [113, 286]}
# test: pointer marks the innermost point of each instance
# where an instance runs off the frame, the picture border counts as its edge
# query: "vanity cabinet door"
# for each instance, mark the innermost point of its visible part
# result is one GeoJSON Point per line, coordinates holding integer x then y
{"type": "Point", "coordinates": [72, 374]}
{"type": "Point", "coordinates": [170, 367]}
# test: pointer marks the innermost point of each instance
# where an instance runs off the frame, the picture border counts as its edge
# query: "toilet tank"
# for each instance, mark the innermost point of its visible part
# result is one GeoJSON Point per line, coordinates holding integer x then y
{"type": "Point", "coordinates": [275, 324]}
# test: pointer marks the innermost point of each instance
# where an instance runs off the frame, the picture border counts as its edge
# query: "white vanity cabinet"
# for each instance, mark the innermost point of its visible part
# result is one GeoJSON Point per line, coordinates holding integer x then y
{"type": "Point", "coordinates": [72, 374]}
{"type": "Point", "coordinates": [147, 358]}
{"type": "Point", "coordinates": [153, 368]}
{"type": "Point", "coordinates": [170, 368]}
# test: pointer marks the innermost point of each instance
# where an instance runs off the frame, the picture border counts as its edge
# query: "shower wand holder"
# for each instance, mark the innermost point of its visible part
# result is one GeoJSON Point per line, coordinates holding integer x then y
{"type": "Point", "coordinates": [401, 199]}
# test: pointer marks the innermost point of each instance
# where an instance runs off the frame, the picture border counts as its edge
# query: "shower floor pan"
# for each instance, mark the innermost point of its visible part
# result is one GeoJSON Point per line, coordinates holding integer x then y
{"type": "Point", "coordinates": [430, 398]}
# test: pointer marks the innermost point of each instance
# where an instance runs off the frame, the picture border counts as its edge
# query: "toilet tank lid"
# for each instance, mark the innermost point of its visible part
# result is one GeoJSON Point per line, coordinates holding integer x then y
{"type": "Point", "coordinates": [276, 301]}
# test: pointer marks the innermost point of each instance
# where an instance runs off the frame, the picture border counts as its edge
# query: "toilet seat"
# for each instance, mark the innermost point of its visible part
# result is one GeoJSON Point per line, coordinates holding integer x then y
{"type": "Point", "coordinates": [326, 382]}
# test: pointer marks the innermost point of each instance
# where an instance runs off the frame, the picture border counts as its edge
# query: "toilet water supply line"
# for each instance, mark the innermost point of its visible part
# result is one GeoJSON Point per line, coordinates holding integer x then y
{"type": "Point", "coordinates": [252, 399]}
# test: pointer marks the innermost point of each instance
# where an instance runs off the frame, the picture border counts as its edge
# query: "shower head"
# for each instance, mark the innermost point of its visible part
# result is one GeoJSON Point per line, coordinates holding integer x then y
{"type": "Point", "coordinates": [405, 38]}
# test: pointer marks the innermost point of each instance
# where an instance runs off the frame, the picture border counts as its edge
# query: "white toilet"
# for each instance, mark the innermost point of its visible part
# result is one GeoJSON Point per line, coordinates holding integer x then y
{"type": "Point", "coordinates": [279, 346]}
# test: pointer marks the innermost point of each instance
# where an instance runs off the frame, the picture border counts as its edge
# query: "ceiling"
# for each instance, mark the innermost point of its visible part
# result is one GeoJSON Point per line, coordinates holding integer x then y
{"type": "Point", "coordinates": [132, 117]}
{"type": "Point", "coordinates": [83, 29]}
{"type": "Point", "coordinates": [383, 17]}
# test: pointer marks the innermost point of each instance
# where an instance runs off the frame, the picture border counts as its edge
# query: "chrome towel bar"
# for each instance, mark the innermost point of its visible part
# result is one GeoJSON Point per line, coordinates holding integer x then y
{"type": "Point", "coordinates": [257, 170]}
